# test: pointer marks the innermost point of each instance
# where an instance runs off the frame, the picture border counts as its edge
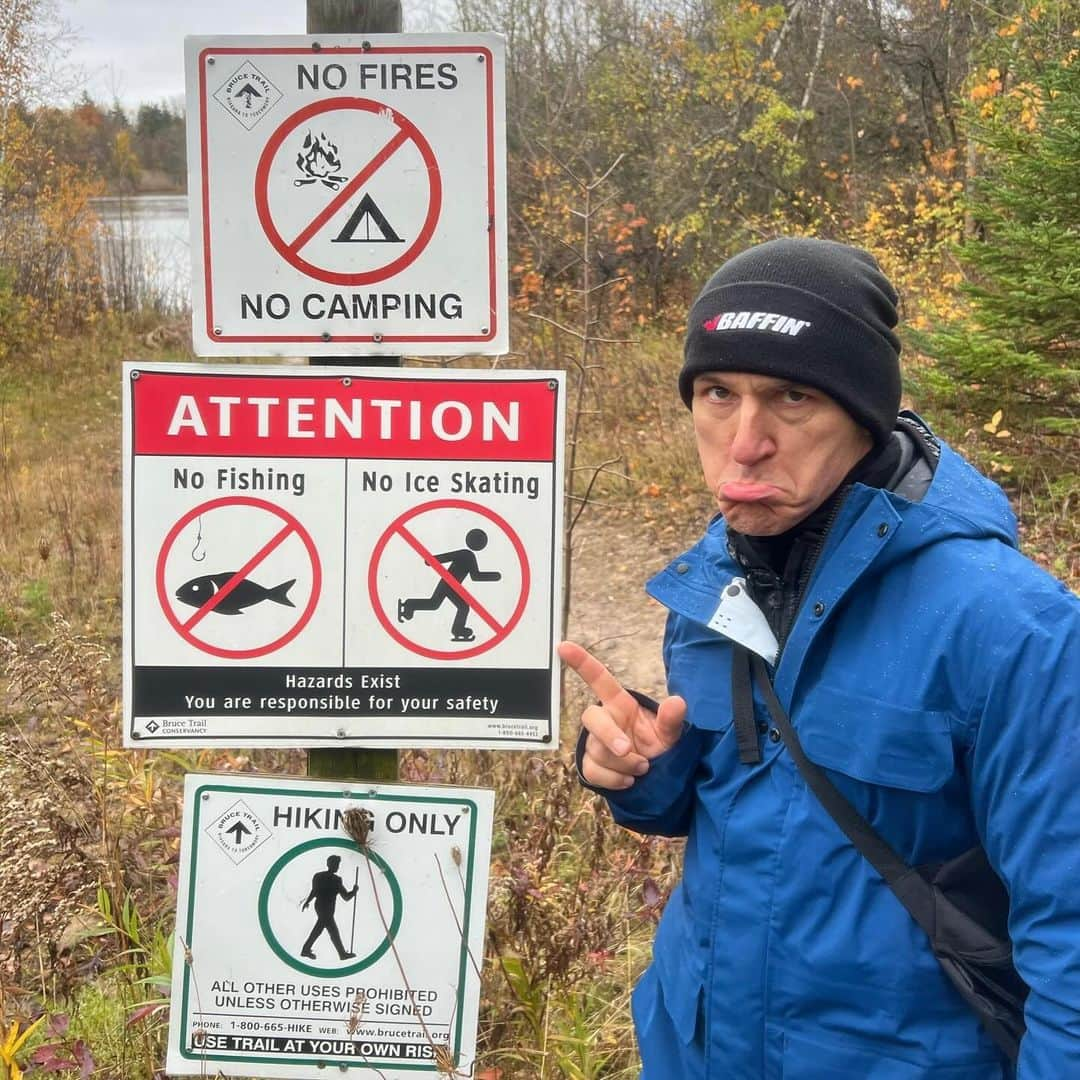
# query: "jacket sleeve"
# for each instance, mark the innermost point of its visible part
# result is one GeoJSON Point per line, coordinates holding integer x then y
{"type": "Point", "coordinates": [1025, 782]}
{"type": "Point", "coordinates": [661, 802]}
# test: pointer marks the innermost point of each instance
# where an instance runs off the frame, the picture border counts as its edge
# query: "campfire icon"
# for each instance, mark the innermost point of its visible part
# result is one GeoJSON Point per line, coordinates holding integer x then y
{"type": "Point", "coordinates": [319, 162]}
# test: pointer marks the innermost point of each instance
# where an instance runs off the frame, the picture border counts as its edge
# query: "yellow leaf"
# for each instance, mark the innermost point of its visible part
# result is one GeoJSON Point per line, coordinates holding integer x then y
{"type": "Point", "coordinates": [1002, 434]}
{"type": "Point", "coordinates": [13, 1043]}
{"type": "Point", "coordinates": [992, 426]}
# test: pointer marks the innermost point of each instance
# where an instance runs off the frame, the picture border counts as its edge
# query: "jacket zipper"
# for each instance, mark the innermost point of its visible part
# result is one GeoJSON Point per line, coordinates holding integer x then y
{"type": "Point", "coordinates": [797, 595]}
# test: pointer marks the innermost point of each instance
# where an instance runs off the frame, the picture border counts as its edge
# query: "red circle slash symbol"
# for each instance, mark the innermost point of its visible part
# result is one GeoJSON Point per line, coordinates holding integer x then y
{"type": "Point", "coordinates": [451, 586]}
{"type": "Point", "coordinates": [394, 135]}
{"type": "Point", "coordinates": [228, 592]}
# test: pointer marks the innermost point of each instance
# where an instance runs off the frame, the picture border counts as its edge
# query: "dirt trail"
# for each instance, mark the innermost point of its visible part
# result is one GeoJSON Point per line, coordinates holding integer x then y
{"type": "Point", "coordinates": [615, 552]}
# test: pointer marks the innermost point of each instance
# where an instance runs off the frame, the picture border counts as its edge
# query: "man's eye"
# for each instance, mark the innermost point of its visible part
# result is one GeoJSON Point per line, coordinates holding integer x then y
{"type": "Point", "coordinates": [795, 396]}
{"type": "Point", "coordinates": [718, 393]}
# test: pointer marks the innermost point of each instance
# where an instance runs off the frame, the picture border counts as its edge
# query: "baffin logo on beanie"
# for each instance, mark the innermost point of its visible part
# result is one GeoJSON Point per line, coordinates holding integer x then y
{"type": "Point", "coordinates": [757, 320]}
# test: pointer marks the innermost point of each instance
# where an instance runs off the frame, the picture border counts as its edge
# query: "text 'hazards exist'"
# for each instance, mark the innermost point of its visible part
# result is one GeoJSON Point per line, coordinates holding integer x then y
{"type": "Point", "coordinates": [325, 555]}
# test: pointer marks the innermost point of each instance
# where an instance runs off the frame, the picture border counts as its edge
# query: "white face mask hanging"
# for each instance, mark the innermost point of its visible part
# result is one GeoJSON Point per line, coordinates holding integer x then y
{"type": "Point", "coordinates": [737, 617]}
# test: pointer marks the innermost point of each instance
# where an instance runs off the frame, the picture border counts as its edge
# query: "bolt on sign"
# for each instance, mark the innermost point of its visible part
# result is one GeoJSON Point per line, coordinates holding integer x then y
{"type": "Point", "coordinates": [326, 925]}
{"type": "Point", "coordinates": [348, 195]}
{"type": "Point", "coordinates": [341, 555]}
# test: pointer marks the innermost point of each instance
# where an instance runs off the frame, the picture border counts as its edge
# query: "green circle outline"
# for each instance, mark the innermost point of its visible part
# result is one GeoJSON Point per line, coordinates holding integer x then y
{"type": "Point", "coordinates": [264, 901]}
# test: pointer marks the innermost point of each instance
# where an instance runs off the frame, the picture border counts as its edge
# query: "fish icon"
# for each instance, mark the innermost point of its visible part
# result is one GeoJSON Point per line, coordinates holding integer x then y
{"type": "Point", "coordinates": [198, 590]}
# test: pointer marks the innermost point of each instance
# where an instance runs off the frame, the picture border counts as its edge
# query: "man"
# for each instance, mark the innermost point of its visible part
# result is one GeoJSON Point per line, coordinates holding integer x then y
{"type": "Point", "coordinates": [932, 671]}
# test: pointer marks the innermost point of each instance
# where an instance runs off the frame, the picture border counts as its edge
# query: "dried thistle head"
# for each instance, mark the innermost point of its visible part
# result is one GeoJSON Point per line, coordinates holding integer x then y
{"type": "Point", "coordinates": [455, 854]}
{"type": "Point", "coordinates": [44, 548]}
{"type": "Point", "coordinates": [356, 1012]}
{"type": "Point", "coordinates": [358, 825]}
{"type": "Point", "coordinates": [444, 1060]}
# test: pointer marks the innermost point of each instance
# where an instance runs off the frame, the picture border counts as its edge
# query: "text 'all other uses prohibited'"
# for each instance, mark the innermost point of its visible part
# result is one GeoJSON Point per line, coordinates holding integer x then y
{"type": "Point", "coordinates": [327, 925]}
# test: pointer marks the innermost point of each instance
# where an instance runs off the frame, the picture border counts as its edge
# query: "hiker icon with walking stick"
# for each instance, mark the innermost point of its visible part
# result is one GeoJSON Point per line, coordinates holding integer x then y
{"type": "Point", "coordinates": [326, 887]}
{"type": "Point", "coordinates": [460, 564]}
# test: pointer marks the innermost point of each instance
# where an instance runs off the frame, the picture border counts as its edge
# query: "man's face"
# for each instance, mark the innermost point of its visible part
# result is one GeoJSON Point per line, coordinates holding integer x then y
{"type": "Point", "coordinates": [772, 451]}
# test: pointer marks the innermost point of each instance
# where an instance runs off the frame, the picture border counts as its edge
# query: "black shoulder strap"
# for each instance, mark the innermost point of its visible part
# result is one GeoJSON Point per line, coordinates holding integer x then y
{"type": "Point", "coordinates": [742, 705]}
{"type": "Point", "coordinates": [913, 891]}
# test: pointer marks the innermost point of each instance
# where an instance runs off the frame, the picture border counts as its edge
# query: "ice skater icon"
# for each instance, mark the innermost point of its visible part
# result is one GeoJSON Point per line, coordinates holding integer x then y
{"type": "Point", "coordinates": [460, 564]}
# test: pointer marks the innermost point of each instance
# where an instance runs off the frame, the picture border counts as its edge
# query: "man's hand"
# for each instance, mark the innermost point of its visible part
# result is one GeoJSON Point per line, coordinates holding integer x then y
{"type": "Point", "coordinates": [623, 737]}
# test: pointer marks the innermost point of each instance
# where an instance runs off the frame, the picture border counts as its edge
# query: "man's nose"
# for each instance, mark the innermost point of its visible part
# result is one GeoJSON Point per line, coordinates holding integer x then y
{"type": "Point", "coordinates": [752, 440]}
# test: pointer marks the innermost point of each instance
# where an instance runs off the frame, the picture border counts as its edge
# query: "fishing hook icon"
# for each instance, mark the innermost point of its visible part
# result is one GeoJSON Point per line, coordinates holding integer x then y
{"type": "Point", "coordinates": [198, 542]}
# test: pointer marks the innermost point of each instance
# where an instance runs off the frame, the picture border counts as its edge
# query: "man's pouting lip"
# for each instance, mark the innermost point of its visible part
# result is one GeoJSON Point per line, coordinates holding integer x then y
{"type": "Point", "coordinates": [747, 491]}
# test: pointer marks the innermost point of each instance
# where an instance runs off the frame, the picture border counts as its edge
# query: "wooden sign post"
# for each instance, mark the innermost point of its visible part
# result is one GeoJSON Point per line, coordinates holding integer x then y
{"type": "Point", "coordinates": [354, 17]}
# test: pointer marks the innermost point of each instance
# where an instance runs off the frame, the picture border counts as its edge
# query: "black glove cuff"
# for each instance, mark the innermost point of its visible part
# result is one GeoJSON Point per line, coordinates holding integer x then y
{"type": "Point", "coordinates": [644, 701]}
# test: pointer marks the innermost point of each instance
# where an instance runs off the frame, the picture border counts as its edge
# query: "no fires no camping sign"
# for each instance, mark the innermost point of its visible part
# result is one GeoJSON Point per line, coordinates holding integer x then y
{"type": "Point", "coordinates": [326, 556]}
{"type": "Point", "coordinates": [327, 928]}
{"type": "Point", "coordinates": [347, 194]}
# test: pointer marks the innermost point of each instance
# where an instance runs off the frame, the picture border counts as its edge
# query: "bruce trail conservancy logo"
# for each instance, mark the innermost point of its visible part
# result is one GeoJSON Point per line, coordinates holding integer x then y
{"type": "Point", "coordinates": [238, 831]}
{"type": "Point", "coordinates": [248, 94]}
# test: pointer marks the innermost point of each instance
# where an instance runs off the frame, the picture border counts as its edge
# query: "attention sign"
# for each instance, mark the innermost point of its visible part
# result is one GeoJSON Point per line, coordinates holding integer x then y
{"type": "Point", "coordinates": [348, 194]}
{"type": "Point", "coordinates": [325, 927]}
{"type": "Point", "coordinates": [324, 555]}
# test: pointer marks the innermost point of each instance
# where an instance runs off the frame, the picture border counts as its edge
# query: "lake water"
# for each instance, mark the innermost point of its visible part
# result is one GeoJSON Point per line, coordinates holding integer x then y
{"type": "Point", "coordinates": [148, 246]}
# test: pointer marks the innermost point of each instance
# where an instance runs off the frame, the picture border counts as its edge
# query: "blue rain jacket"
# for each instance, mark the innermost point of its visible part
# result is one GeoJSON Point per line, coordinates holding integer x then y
{"type": "Point", "coordinates": [935, 673]}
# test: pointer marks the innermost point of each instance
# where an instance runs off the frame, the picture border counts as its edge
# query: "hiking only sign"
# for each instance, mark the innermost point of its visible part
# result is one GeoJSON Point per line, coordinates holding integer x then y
{"type": "Point", "coordinates": [341, 555]}
{"type": "Point", "coordinates": [348, 195]}
{"type": "Point", "coordinates": [328, 927]}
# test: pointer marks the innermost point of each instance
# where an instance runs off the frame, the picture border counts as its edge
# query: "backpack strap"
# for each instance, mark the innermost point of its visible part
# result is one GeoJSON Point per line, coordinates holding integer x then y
{"type": "Point", "coordinates": [912, 890]}
{"type": "Point", "coordinates": [742, 704]}
{"type": "Point", "coordinates": [975, 959]}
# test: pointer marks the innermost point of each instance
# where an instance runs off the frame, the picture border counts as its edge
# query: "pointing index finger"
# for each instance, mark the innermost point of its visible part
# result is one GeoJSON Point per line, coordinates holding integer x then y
{"type": "Point", "coordinates": [602, 683]}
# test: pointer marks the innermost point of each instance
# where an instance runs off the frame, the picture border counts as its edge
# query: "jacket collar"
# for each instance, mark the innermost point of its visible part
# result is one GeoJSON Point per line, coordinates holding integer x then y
{"type": "Point", "coordinates": [874, 528]}
{"type": "Point", "coordinates": [708, 583]}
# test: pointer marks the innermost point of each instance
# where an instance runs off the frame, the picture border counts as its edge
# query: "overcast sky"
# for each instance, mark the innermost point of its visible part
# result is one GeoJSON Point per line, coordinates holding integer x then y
{"type": "Point", "coordinates": [133, 50]}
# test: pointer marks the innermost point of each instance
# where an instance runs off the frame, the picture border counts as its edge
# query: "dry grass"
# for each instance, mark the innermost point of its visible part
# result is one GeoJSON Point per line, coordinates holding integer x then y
{"type": "Point", "coordinates": [90, 831]}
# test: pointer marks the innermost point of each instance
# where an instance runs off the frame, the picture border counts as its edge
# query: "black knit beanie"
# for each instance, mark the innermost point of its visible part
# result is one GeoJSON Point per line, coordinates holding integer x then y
{"type": "Point", "coordinates": [813, 311]}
